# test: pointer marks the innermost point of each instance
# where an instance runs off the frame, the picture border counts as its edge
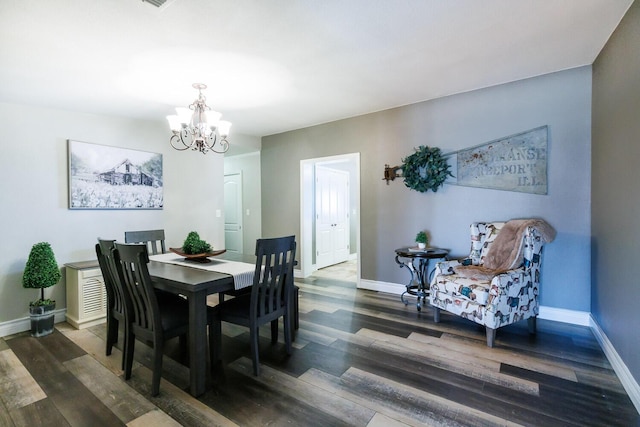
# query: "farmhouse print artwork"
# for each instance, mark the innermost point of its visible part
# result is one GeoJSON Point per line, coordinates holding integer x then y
{"type": "Point", "coordinates": [103, 177]}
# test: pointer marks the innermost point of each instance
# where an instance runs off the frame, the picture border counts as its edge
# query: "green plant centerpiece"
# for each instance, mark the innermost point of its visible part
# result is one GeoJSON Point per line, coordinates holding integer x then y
{"type": "Point", "coordinates": [422, 239]}
{"type": "Point", "coordinates": [195, 249]}
{"type": "Point", "coordinates": [426, 169]}
{"type": "Point", "coordinates": [193, 245]}
{"type": "Point", "coordinates": [41, 271]}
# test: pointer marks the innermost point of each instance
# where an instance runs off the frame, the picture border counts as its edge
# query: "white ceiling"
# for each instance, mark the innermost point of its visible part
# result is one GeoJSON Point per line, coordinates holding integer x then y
{"type": "Point", "coordinates": [278, 65]}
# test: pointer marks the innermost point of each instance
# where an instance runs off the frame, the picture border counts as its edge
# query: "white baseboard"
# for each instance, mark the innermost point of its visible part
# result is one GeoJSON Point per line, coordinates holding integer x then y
{"type": "Point", "coordinates": [24, 324]}
{"type": "Point", "coordinates": [574, 317]}
{"type": "Point", "coordinates": [628, 382]}
{"type": "Point", "coordinates": [388, 287]}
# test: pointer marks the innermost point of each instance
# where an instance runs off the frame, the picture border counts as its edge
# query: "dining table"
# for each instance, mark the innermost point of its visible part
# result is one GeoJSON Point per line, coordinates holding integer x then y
{"type": "Point", "coordinates": [195, 281]}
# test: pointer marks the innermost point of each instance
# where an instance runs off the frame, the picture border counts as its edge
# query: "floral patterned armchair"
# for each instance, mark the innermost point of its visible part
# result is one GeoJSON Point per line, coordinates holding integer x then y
{"type": "Point", "coordinates": [498, 284]}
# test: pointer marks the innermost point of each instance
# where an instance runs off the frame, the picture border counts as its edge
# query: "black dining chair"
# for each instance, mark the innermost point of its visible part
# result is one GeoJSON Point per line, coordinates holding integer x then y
{"type": "Point", "coordinates": [116, 302]}
{"type": "Point", "coordinates": [154, 239]}
{"type": "Point", "coordinates": [294, 306]}
{"type": "Point", "coordinates": [156, 316]}
{"type": "Point", "coordinates": [269, 299]}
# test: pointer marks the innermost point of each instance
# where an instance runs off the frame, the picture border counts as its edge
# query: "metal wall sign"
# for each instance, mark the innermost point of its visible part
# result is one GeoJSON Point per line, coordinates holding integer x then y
{"type": "Point", "coordinates": [513, 163]}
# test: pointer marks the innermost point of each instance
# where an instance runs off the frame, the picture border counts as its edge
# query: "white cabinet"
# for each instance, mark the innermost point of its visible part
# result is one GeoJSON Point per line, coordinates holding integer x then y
{"type": "Point", "coordinates": [86, 294]}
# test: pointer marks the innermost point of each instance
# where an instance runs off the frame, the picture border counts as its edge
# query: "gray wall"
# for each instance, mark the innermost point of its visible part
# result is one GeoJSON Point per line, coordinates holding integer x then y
{"type": "Point", "coordinates": [391, 215]}
{"type": "Point", "coordinates": [615, 191]}
{"type": "Point", "coordinates": [33, 190]}
{"type": "Point", "coordinates": [249, 165]}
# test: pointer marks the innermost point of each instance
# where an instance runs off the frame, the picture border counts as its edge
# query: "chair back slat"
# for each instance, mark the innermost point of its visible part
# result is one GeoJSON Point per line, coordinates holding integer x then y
{"type": "Point", "coordinates": [116, 296]}
{"type": "Point", "coordinates": [154, 239]}
{"type": "Point", "coordinates": [271, 281]}
{"type": "Point", "coordinates": [132, 260]}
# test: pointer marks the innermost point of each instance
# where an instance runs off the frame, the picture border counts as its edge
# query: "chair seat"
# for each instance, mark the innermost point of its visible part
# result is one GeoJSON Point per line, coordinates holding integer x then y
{"type": "Point", "coordinates": [235, 307]}
{"type": "Point", "coordinates": [463, 287]}
{"type": "Point", "coordinates": [174, 310]}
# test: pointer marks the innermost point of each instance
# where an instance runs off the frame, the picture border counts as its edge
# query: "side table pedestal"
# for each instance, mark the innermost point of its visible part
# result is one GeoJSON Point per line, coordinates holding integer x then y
{"type": "Point", "coordinates": [417, 262]}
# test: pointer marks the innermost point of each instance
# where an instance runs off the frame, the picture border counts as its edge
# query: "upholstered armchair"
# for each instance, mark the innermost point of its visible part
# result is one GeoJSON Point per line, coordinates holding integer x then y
{"type": "Point", "coordinates": [499, 283]}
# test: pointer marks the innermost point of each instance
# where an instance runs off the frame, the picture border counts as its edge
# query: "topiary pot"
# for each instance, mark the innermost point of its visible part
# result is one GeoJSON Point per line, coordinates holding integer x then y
{"type": "Point", "coordinates": [42, 319]}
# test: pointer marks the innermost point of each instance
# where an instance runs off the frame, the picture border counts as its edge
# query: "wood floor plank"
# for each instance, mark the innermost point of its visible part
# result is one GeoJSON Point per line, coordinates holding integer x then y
{"type": "Point", "coordinates": [332, 334]}
{"type": "Point", "coordinates": [353, 322]}
{"type": "Point", "coordinates": [61, 347]}
{"type": "Point", "coordinates": [125, 403]}
{"type": "Point", "coordinates": [575, 402]}
{"type": "Point", "coordinates": [94, 345]}
{"type": "Point", "coordinates": [474, 393]}
{"type": "Point", "coordinates": [380, 420]}
{"type": "Point", "coordinates": [77, 404]}
{"type": "Point", "coordinates": [41, 413]}
{"type": "Point", "coordinates": [499, 355]}
{"type": "Point", "coordinates": [295, 389]}
{"type": "Point", "coordinates": [5, 416]}
{"type": "Point", "coordinates": [393, 400]}
{"type": "Point", "coordinates": [177, 403]}
{"type": "Point", "coordinates": [385, 393]}
{"type": "Point", "coordinates": [155, 418]}
{"type": "Point", "coordinates": [464, 363]}
{"type": "Point", "coordinates": [249, 402]}
{"type": "Point", "coordinates": [17, 386]}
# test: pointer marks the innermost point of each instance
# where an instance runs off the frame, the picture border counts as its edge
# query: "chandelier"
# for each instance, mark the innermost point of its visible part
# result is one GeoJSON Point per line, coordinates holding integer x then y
{"type": "Point", "coordinates": [198, 127]}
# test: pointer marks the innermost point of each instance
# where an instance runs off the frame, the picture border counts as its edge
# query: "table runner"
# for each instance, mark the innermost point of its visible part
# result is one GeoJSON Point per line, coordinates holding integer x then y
{"type": "Point", "coordinates": [242, 272]}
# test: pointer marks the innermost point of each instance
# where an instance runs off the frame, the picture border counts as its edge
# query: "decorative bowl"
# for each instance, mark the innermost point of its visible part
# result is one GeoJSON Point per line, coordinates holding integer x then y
{"type": "Point", "coordinates": [203, 257]}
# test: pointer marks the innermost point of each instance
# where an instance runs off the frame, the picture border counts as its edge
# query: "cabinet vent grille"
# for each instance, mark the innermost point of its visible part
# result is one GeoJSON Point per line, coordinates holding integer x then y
{"type": "Point", "coordinates": [94, 297]}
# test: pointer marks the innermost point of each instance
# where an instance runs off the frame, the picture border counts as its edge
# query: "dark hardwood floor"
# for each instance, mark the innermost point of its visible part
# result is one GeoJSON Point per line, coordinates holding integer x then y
{"type": "Point", "coordinates": [360, 358]}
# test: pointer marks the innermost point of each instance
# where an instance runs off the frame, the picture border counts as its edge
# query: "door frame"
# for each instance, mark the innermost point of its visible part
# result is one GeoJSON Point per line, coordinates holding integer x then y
{"type": "Point", "coordinates": [307, 208]}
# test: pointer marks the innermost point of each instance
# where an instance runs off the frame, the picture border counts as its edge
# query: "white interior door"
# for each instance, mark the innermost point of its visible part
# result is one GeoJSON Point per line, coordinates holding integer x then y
{"type": "Point", "coordinates": [332, 216]}
{"type": "Point", "coordinates": [233, 235]}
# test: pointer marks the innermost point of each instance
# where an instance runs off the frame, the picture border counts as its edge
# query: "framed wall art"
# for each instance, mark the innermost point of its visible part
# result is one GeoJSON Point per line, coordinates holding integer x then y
{"type": "Point", "coordinates": [105, 177]}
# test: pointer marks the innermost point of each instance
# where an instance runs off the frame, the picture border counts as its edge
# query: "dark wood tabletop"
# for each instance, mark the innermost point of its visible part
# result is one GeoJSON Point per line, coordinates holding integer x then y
{"type": "Point", "coordinates": [431, 253]}
{"type": "Point", "coordinates": [182, 278]}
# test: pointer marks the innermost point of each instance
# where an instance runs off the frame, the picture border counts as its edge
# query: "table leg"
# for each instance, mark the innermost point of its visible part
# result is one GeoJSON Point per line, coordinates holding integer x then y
{"type": "Point", "coordinates": [197, 342]}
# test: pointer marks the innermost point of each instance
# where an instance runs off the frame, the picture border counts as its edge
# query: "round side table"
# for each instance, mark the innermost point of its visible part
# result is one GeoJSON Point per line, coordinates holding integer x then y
{"type": "Point", "coordinates": [417, 262]}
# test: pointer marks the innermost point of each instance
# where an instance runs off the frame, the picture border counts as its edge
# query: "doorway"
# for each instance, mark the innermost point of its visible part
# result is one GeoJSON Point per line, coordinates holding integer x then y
{"type": "Point", "coordinates": [347, 235]}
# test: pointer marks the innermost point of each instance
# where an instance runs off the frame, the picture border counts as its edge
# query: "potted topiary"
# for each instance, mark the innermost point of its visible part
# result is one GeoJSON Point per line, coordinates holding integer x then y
{"type": "Point", "coordinates": [41, 272]}
{"type": "Point", "coordinates": [421, 239]}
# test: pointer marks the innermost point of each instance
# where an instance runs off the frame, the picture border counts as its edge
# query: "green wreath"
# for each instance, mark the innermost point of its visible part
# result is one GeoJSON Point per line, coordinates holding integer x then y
{"type": "Point", "coordinates": [426, 169]}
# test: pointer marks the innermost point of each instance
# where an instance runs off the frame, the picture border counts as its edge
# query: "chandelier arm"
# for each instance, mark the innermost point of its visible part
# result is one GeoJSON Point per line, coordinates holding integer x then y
{"type": "Point", "coordinates": [179, 136]}
{"type": "Point", "coordinates": [210, 140]}
{"type": "Point", "coordinates": [225, 147]}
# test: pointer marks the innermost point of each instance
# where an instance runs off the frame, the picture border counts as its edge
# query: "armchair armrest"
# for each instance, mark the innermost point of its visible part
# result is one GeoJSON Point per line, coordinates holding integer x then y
{"type": "Point", "coordinates": [445, 268]}
{"type": "Point", "coordinates": [510, 285]}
